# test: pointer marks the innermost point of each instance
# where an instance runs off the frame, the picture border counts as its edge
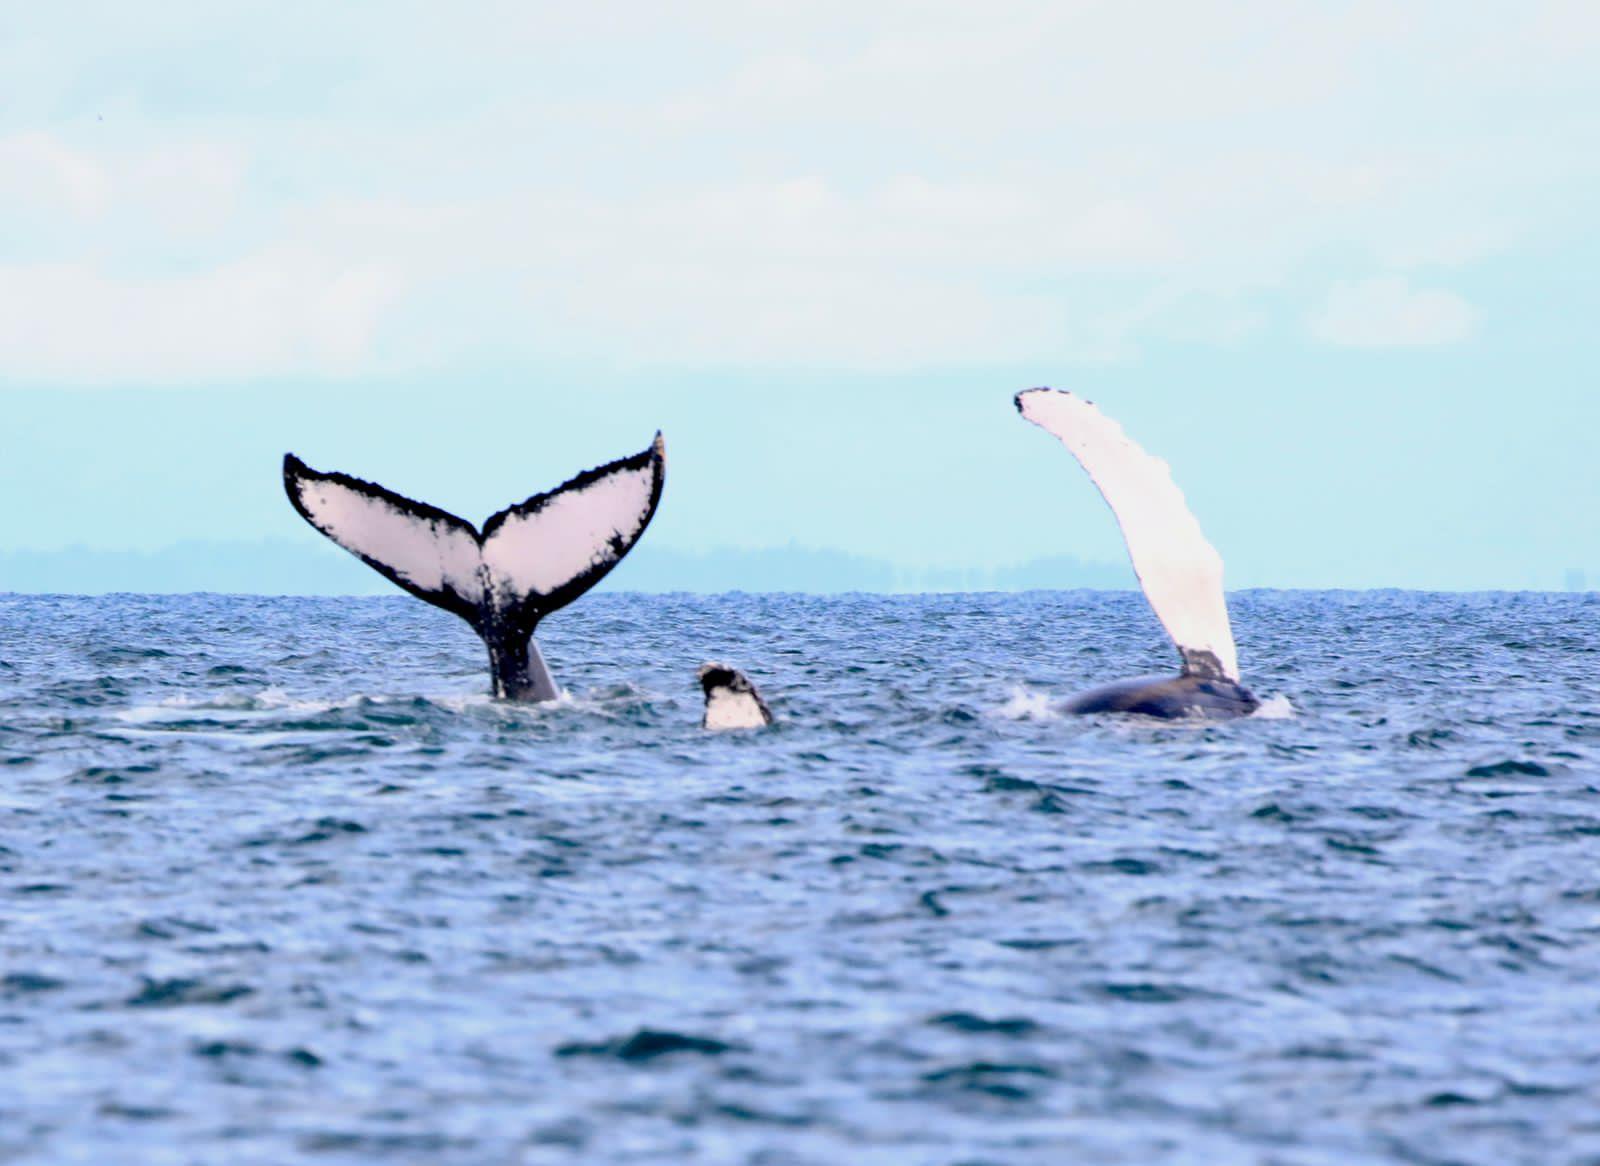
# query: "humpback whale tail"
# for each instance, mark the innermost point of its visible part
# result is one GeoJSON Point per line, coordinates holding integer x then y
{"type": "Point", "coordinates": [529, 559]}
{"type": "Point", "coordinates": [732, 702]}
{"type": "Point", "coordinates": [1180, 572]}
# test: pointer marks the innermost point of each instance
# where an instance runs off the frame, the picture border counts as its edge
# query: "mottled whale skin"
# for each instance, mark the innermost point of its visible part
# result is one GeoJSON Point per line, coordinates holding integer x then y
{"type": "Point", "coordinates": [526, 561]}
{"type": "Point", "coordinates": [1168, 697]}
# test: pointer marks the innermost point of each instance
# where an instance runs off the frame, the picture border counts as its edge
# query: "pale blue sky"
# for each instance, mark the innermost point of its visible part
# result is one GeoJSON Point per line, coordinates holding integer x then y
{"type": "Point", "coordinates": [1335, 262]}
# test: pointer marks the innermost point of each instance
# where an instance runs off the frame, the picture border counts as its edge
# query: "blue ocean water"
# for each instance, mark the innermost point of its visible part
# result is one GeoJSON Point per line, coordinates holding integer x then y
{"type": "Point", "coordinates": [281, 884]}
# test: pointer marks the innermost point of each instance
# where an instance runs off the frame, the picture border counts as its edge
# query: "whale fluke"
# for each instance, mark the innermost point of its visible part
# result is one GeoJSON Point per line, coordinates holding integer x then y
{"type": "Point", "coordinates": [1180, 572]}
{"type": "Point", "coordinates": [529, 560]}
{"type": "Point", "coordinates": [732, 702]}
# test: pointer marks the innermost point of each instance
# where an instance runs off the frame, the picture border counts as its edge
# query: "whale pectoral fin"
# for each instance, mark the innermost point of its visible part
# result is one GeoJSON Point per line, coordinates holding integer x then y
{"type": "Point", "coordinates": [1180, 572]}
{"type": "Point", "coordinates": [429, 552]}
{"type": "Point", "coordinates": [545, 552]}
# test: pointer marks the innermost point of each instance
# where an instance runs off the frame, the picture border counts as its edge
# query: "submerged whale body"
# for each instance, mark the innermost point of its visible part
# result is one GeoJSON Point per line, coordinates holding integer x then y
{"type": "Point", "coordinates": [528, 560]}
{"type": "Point", "coordinates": [1179, 571]}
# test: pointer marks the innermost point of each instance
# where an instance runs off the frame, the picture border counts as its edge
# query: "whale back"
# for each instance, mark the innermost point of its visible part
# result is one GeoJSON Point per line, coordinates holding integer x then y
{"type": "Point", "coordinates": [1168, 697]}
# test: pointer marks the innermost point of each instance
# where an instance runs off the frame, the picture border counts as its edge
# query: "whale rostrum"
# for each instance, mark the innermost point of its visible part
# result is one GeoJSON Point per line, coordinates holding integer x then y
{"type": "Point", "coordinates": [528, 560]}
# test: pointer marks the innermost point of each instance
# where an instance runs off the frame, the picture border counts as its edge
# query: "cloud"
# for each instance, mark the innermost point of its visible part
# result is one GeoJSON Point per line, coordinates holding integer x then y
{"type": "Point", "coordinates": [39, 172]}
{"type": "Point", "coordinates": [63, 197]}
{"type": "Point", "coordinates": [1386, 312]}
{"type": "Point", "coordinates": [906, 273]}
{"type": "Point", "coordinates": [272, 313]}
{"type": "Point", "coordinates": [891, 185]}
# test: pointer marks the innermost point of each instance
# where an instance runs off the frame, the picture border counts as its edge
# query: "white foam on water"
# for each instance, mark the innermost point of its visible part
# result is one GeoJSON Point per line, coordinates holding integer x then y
{"type": "Point", "coordinates": [460, 702]}
{"type": "Point", "coordinates": [471, 701]}
{"type": "Point", "coordinates": [176, 707]}
{"type": "Point", "coordinates": [1024, 704]}
{"type": "Point", "coordinates": [237, 705]}
{"type": "Point", "coordinates": [240, 709]}
{"type": "Point", "coordinates": [1276, 708]}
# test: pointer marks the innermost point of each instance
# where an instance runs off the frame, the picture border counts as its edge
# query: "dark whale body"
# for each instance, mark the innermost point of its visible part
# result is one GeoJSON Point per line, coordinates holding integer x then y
{"type": "Point", "coordinates": [1169, 697]}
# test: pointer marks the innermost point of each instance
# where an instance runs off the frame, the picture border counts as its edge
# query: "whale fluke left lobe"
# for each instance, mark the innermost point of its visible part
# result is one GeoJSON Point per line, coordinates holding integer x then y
{"type": "Point", "coordinates": [428, 551]}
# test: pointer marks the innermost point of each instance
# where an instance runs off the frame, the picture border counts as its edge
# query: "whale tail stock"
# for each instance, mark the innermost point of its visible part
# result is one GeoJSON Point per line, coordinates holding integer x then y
{"type": "Point", "coordinates": [529, 559]}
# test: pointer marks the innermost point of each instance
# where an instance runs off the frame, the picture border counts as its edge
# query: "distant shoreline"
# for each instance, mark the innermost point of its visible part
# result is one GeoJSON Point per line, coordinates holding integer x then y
{"type": "Point", "coordinates": [314, 568]}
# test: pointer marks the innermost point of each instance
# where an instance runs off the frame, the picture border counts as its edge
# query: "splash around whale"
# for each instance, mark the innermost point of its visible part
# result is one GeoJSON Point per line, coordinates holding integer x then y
{"type": "Point", "coordinates": [1178, 569]}
{"type": "Point", "coordinates": [527, 561]}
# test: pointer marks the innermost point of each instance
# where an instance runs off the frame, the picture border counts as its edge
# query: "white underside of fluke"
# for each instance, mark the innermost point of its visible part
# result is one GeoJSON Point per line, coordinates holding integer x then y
{"type": "Point", "coordinates": [430, 554]}
{"type": "Point", "coordinates": [574, 531]}
{"type": "Point", "coordinates": [528, 552]}
{"type": "Point", "coordinates": [1180, 571]}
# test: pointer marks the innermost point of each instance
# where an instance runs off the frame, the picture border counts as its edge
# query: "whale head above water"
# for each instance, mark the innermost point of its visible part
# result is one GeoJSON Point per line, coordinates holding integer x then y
{"type": "Point", "coordinates": [1179, 571]}
{"type": "Point", "coordinates": [732, 702]}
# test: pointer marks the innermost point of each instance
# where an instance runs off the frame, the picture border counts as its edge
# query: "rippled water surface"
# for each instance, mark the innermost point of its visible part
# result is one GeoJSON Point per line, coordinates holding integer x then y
{"type": "Point", "coordinates": [280, 884]}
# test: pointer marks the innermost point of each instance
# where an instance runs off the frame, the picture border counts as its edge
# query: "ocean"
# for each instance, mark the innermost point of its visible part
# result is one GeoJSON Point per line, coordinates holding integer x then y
{"type": "Point", "coordinates": [281, 884]}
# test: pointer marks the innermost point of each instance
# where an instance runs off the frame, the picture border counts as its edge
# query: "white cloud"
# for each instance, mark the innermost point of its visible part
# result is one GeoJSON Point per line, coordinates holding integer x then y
{"type": "Point", "coordinates": [272, 313]}
{"type": "Point", "coordinates": [39, 172]}
{"type": "Point", "coordinates": [183, 187]}
{"type": "Point", "coordinates": [175, 188]}
{"type": "Point", "coordinates": [896, 184]}
{"type": "Point", "coordinates": [906, 273]}
{"type": "Point", "coordinates": [1386, 312]}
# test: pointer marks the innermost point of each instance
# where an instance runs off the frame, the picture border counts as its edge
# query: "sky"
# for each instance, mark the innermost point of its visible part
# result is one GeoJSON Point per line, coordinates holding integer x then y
{"type": "Point", "coordinates": [1333, 262]}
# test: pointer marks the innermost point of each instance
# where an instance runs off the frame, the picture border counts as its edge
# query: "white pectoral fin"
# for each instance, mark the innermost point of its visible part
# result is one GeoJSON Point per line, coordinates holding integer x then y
{"type": "Point", "coordinates": [1180, 571]}
{"type": "Point", "coordinates": [549, 550]}
{"type": "Point", "coordinates": [431, 553]}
